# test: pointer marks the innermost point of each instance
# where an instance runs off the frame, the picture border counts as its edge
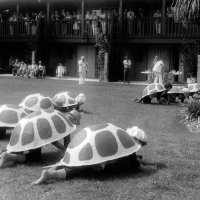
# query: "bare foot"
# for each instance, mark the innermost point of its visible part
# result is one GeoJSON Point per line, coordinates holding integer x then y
{"type": "Point", "coordinates": [3, 159]}
{"type": "Point", "coordinates": [43, 178]}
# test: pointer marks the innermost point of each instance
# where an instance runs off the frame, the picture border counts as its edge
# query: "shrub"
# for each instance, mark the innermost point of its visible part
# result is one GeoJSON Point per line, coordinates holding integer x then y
{"type": "Point", "coordinates": [194, 108]}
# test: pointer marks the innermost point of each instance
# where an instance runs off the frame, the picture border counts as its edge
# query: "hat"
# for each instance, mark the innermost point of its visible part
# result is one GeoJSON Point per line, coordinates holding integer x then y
{"type": "Point", "coordinates": [74, 116]}
{"type": "Point", "coordinates": [138, 135]}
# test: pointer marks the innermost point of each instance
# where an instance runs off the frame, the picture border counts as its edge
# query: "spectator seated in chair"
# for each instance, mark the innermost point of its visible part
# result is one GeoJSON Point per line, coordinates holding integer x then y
{"type": "Point", "coordinates": [32, 69]}
{"type": "Point", "coordinates": [40, 71]}
{"type": "Point", "coordinates": [16, 67]}
{"type": "Point", "coordinates": [60, 70]}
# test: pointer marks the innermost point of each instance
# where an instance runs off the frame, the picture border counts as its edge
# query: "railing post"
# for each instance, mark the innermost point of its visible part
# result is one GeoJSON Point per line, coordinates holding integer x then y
{"type": "Point", "coordinates": [47, 31]}
{"type": "Point", "coordinates": [82, 14]}
{"type": "Point", "coordinates": [17, 25]}
{"type": "Point", "coordinates": [163, 16]}
{"type": "Point", "coordinates": [120, 16]}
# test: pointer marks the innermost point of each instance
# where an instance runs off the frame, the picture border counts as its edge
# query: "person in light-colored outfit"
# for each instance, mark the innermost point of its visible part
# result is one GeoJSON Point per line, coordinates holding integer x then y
{"type": "Point", "coordinates": [157, 70]}
{"type": "Point", "coordinates": [60, 70]}
{"type": "Point", "coordinates": [82, 70]}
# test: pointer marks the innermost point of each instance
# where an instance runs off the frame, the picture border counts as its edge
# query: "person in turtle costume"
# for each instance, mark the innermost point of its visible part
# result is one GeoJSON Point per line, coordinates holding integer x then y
{"type": "Point", "coordinates": [160, 92]}
{"type": "Point", "coordinates": [96, 147]}
{"type": "Point", "coordinates": [26, 142]}
{"type": "Point", "coordinates": [67, 101]}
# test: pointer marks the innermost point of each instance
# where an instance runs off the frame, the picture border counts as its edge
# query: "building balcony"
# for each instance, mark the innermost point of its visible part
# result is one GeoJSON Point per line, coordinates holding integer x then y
{"type": "Point", "coordinates": [145, 28]}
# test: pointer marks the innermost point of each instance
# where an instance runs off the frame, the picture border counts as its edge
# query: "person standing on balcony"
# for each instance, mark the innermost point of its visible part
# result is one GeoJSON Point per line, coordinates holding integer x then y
{"type": "Point", "coordinates": [13, 20]}
{"type": "Point", "coordinates": [69, 20]}
{"type": "Point", "coordinates": [127, 67]}
{"type": "Point", "coordinates": [140, 22]}
{"type": "Point", "coordinates": [157, 21]}
{"type": "Point", "coordinates": [27, 23]}
{"type": "Point", "coordinates": [88, 18]}
{"type": "Point", "coordinates": [82, 70]}
{"type": "Point", "coordinates": [130, 18]}
{"type": "Point", "coordinates": [102, 19]}
{"type": "Point", "coordinates": [157, 71]}
{"type": "Point", "coordinates": [76, 22]}
{"type": "Point", "coordinates": [94, 22]}
{"type": "Point", "coordinates": [62, 17]}
{"type": "Point", "coordinates": [169, 15]}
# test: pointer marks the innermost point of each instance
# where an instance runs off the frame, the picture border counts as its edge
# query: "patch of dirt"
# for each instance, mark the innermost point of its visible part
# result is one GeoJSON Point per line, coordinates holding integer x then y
{"type": "Point", "coordinates": [192, 124]}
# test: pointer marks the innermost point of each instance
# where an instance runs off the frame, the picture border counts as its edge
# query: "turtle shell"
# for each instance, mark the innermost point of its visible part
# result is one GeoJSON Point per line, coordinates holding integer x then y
{"type": "Point", "coordinates": [38, 129]}
{"type": "Point", "coordinates": [98, 144]}
{"type": "Point", "coordinates": [175, 90]}
{"type": "Point", "coordinates": [64, 99]}
{"type": "Point", "coordinates": [11, 114]}
{"type": "Point", "coordinates": [194, 87]}
{"type": "Point", "coordinates": [152, 89]}
{"type": "Point", "coordinates": [36, 102]}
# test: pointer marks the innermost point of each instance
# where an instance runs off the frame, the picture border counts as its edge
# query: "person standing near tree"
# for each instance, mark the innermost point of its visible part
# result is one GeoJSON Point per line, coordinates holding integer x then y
{"type": "Point", "coordinates": [127, 67]}
{"type": "Point", "coordinates": [157, 70]}
{"type": "Point", "coordinates": [82, 70]}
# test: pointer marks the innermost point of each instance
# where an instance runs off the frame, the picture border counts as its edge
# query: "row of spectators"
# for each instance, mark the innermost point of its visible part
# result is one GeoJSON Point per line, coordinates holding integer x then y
{"type": "Point", "coordinates": [66, 22]}
{"type": "Point", "coordinates": [32, 70]}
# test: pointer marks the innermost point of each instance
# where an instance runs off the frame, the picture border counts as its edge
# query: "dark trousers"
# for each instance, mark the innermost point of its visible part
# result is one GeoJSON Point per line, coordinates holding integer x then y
{"type": "Point", "coordinates": [126, 75]}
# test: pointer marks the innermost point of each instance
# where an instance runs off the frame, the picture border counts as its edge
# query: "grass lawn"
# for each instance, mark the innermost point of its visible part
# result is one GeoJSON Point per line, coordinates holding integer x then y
{"type": "Point", "coordinates": [170, 145]}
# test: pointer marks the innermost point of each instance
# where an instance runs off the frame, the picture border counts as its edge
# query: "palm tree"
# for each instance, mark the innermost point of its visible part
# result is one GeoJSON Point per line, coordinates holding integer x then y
{"type": "Point", "coordinates": [186, 10]}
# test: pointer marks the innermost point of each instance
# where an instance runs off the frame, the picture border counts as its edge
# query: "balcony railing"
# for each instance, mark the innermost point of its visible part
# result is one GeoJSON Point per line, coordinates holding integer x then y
{"type": "Point", "coordinates": [145, 28]}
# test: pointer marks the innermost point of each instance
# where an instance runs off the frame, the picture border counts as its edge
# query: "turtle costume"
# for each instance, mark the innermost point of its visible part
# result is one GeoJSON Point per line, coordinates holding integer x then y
{"type": "Point", "coordinates": [96, 146]}
{"type": "Point", "coordinates": [155, 90]}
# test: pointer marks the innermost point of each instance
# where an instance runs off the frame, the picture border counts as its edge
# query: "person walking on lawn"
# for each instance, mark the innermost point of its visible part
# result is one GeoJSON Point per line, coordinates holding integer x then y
{"type": "Point", "coordinates": [127, 67]}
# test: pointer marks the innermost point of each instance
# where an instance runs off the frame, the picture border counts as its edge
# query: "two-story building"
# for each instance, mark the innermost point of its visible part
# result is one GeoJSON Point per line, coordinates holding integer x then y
{"type": "Point", "coordinates": [63, 30]}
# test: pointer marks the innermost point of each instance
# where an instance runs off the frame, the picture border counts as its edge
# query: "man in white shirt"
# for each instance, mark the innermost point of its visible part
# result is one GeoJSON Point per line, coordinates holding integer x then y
{"type": "Point", "coordinates": [127, 67]}
{"type": "Point", "coordinates": [82, 70]}
{"type": "Point", "coordinates": [157, 70]}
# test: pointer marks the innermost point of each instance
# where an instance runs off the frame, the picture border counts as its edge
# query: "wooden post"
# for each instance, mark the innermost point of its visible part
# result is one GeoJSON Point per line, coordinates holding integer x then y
{"type": "Point", "coordinates": [198, 69]}
{"type": "Point", "coordinates": [48, 11]}
{"type": "Point", "coordinates": [83, 15]}
{"type": "Point", "coordinates": [106, 67]}
{"type": "Point", "coordinates": [120, 16]}
{"type": "Point", "coordinates": [17, 11]}
{"type": "Point", "coordinates": [32, 56]}
{"type": "Point", "coordinates": [163, 16]}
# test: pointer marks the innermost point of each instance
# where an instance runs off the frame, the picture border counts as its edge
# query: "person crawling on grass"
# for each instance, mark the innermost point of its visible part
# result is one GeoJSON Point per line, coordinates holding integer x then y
{"type": "Point", "coordinates": [63, 172]}
{"type": "Point", "coordinates": [26, 156]}
{"type": "Point", "coordinates": [81, 156]}
{"type": "Point", "coordinates": [162, 97]}
{"type": "Point", "coordinates": [33, 152]}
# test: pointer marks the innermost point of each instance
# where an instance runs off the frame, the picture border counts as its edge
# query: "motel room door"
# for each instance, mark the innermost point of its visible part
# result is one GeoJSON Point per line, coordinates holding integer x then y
{"type": "Point", "coordinates": [89, 52]}
{"type": "Point", "coordinates": [139, 64]}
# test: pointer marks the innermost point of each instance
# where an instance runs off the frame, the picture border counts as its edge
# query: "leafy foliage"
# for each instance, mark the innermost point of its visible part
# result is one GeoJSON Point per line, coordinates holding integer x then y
{"type": "Point", "coordinates": [190, 52]}
{"type": "Point", "coordinates": [186, 10]}
{"type": "Point", "coordinates": [194, 108]}
{"type": "Point", "coordinates": [102, 45]}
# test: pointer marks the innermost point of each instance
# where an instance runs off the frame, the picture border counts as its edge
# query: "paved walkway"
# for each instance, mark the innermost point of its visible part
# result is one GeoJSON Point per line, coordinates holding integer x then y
{"type": "Point", "coordinates": [87, 79]}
